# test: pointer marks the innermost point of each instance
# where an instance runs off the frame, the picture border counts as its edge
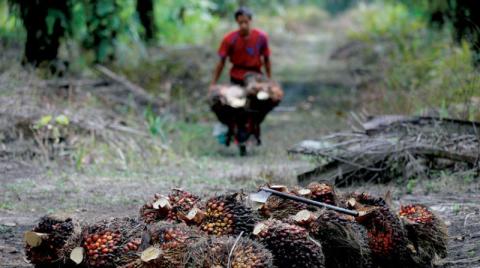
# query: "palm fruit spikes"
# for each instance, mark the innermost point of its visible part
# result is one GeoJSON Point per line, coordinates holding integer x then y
{"type": "Point", "coordinates": [173, 207]}
{"type": "Point", "coordinates": [154, 256]}
{"type": "Point", "coordinates": [290, 244]}
{"type": "Point", "coordinates": [228, 251]}
{"type": "Point", "coordinates": [45, 242]}
{"type": "Point", "coordinates": [249, 254]}
{"type": "Point", "coordinates": [227, 214]}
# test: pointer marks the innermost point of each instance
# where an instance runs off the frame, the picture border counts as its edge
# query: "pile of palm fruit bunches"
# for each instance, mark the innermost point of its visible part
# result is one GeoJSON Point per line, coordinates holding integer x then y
{"type": "Point", "coordinates": [180, 229]}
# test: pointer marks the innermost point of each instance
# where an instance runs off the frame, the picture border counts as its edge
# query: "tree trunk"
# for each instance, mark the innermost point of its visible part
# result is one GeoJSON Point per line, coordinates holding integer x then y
{"type": "Point", "coordinates": [44, 29]}
{"type": "Point", "coordinates": [145, 10]}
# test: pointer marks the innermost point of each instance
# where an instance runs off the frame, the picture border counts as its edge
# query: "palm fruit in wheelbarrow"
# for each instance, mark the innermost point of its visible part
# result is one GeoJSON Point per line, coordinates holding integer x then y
{"type": "Point", "coordinates": [228, 95]}
{"type": "Point", "coordinates": [264, 89]}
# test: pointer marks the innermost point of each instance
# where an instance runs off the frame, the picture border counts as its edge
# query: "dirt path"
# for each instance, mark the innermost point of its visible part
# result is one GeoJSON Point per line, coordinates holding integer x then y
{"type": "Point", "coordinates": [317, 101]}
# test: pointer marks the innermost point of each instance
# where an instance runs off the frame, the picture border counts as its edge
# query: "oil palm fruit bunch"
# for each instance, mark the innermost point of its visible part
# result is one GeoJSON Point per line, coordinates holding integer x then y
{"type": "Point", "coordinates": [45, 242]}
{"type": "Point", "coordinates": [387, 238]}
{"type": "Point", "coordinates": [362, 201]}
{"type": "Point", "coordinates": [290, 244]}
{"type": "Point", "coordinates": [156, 209]}
{"type": "Point", "coordinates": [169, 243]}
{"type": "Point", "coordinates": [226, 215]}
{"type": "Point", "coordinates": [426, 231]}
{"type": "Point", "coordinates": [280, 208]}
{"type": "Point", "coordinates": [110, 243]}
{"type": "Point", "coordinates": [344, 242]}
{"type": "Point", "coordinates": [171, 235]}
{"type": "Point", "coordinates": [322, 192]}
{"type": "Point", "coordinates": [182, 203]}
{"type": "Point", "coordinates": [173, 207]}
{"type": "Point", "coordinates": [228, 251]}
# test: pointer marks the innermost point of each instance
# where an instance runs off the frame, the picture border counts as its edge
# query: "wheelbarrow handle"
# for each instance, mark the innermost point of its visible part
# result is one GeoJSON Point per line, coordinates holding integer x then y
{"type": "Point", "coordinates": [311, 202]}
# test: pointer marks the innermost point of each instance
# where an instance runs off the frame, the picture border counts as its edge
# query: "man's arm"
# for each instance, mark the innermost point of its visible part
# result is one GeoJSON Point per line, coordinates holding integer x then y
{"type": "Point", "coordinates": [218, 71]}
{"type": "Point", "coordinates": [268, 67]}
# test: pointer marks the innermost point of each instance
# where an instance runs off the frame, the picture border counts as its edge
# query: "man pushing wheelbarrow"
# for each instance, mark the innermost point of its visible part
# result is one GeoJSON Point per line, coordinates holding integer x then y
{"type": "Point", "coordinates": [243, 105]}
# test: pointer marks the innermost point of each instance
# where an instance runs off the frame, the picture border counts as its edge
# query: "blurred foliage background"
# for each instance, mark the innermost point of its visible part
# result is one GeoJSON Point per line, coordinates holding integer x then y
{"type": "Point", "coordinates": [102, 26]}
{"type": "Point", "coordinates": [427, 50]}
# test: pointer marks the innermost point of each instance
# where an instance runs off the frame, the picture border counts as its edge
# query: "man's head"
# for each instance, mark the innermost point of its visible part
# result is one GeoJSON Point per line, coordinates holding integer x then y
{"type": "Point", "coordinates": [243, 16]}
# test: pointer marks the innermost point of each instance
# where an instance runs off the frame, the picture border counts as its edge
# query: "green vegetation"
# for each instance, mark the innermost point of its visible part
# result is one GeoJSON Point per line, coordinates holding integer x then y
{"type": "Point", "coordinates": [422, 69]}
{"type": "Point", "coordinates": [110, 27]}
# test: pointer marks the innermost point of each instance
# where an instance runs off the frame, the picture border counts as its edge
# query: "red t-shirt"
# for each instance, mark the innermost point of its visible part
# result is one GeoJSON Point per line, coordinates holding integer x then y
{"type": "Point", "coordinates": [245, 53]}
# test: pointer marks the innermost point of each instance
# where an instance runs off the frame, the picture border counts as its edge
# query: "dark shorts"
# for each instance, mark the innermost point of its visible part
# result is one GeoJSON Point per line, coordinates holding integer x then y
{"type": "Point", "coordinates": [239, 82]}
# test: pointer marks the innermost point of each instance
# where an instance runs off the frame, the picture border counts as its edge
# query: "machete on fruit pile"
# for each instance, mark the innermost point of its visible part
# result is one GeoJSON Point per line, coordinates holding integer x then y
{"type": "Point", "coordinates": [264, 193]}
